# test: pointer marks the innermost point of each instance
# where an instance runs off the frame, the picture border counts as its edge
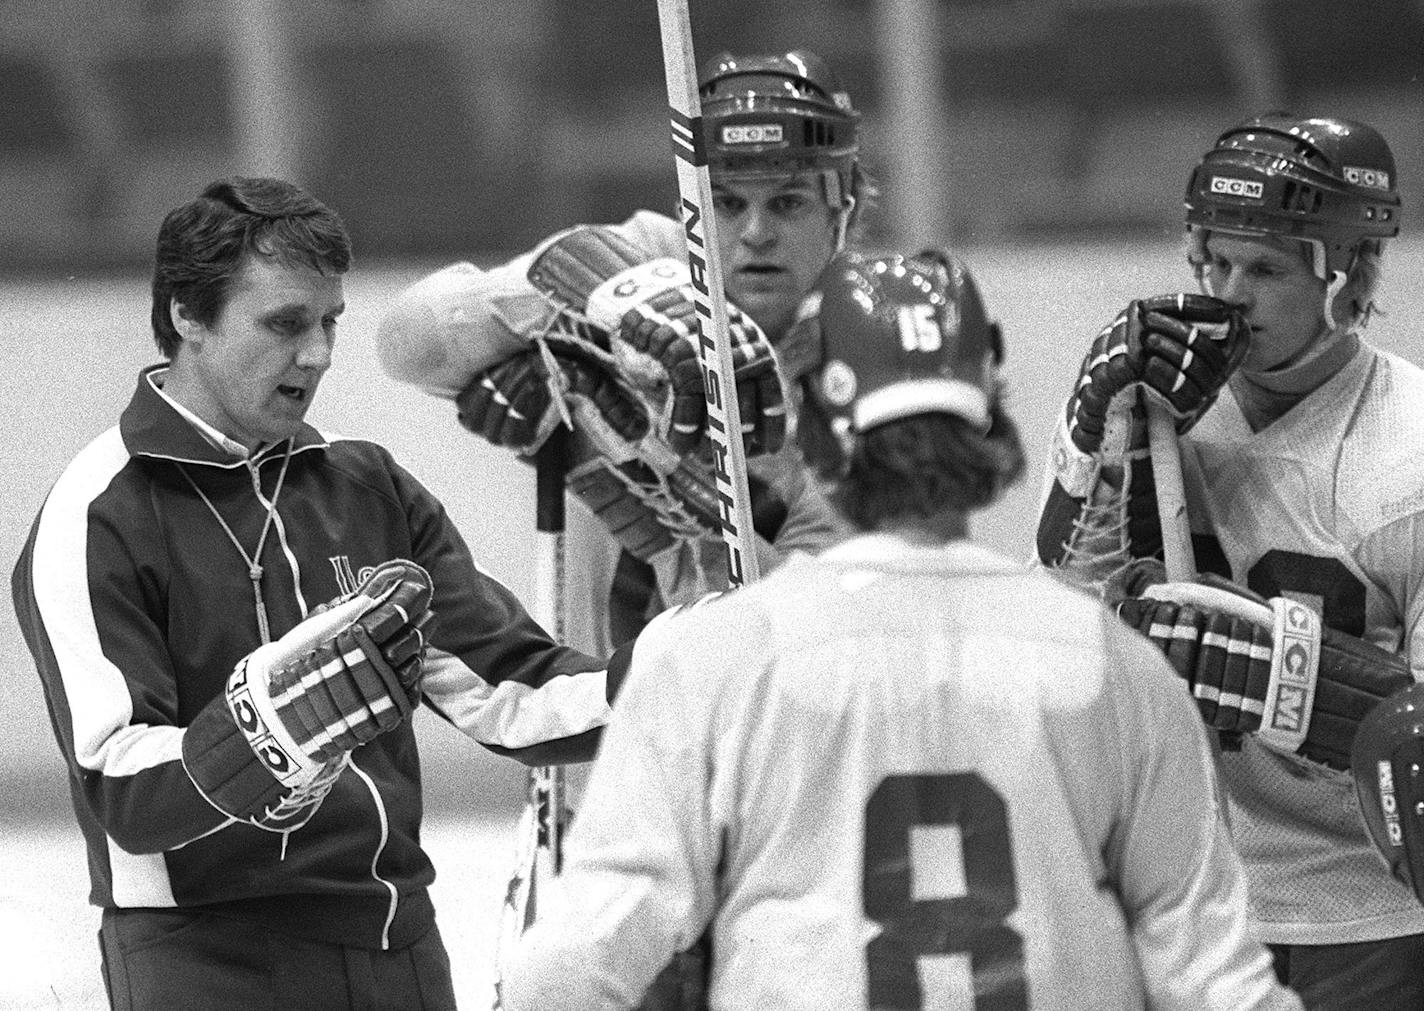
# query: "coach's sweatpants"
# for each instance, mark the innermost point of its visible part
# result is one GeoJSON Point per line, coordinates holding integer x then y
{"type": "Point", "coordinates": [173, 960]}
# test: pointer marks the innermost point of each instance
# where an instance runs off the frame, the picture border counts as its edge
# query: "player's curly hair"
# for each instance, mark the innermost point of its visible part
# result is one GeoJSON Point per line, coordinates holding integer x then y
{"type": "Point", "coordinates": [926, 464]}
{"type": "Point", "coordinates": [1362, 284]}
{"type": "Point", "coordinates": [204, 243]}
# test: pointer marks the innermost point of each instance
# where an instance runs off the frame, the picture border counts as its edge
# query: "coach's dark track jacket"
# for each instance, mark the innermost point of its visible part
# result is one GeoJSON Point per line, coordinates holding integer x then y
{"type": "Point", "coordinates": [137, 604]}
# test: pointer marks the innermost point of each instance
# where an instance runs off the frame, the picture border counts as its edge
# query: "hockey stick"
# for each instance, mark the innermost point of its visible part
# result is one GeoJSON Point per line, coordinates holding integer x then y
{"type": "Point", "coordinates": [694, 186]}
{"type": "Point", "coordinates": [1177, 552]}
{"type": "Point", "coordinates": [540, 855]}
{"type": "Point", "coordinates": [692, 967]}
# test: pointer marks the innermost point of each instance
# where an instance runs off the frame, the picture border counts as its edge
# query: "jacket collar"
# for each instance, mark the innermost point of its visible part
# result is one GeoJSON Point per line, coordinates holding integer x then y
{"type": "Point", "coordinates": [151, 426]}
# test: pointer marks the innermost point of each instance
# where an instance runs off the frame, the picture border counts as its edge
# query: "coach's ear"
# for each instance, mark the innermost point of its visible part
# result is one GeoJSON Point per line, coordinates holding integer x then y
{"type": "Point", "coordinates": [185, 323]}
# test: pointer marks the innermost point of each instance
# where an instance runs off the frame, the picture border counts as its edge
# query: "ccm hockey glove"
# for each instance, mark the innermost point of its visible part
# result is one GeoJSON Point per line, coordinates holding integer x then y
{"type": "Point", "coordinates": [517, 403]}
{"type": "Point", "coordinates": [267, 750]}
{"type": "Point", "coordinates": [1101, 510]}
{"type": "Point", "coordinates": [1266, 667]}
{"type": "Point", "coordinates": [1181, 347]}
{"type": "Point", "coordinates": [648, 307]}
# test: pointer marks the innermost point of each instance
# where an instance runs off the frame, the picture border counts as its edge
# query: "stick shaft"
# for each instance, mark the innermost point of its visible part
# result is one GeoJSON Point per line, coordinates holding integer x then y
{"type": "Point", "coordinates": [1177, 552]}
{"type": "Point", "coordinates": [540, 850]}
{"type": "Point", "coordinates": [551, 468]}
{"type": "Point", "coordinates": [694, 184]}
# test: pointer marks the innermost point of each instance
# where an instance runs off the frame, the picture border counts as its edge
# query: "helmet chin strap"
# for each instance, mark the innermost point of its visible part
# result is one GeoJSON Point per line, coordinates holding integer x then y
{"type": "Point", "coordinates": [843, 202]}
{"type": "Point", "coordinates": [1320, 359]}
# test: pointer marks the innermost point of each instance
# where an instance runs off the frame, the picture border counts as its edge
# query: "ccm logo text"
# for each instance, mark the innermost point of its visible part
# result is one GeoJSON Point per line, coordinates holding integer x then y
{"type": "Point", "coordinates": [1237, 187]}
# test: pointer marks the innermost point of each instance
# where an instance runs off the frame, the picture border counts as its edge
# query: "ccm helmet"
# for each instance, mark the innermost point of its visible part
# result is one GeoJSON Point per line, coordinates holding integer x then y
{"type": "Point", "coordinates": [903, 335]}
{"type": "Point", "coordinates": [1330, 182]}
{"type": "Point", "coordinates": [779, 114]}
{"type": "Point", "coordinates": [1388, 764]}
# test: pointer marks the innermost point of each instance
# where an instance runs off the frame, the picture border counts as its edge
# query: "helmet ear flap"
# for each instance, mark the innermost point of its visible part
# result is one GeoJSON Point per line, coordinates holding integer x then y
{"type": "Point", "coordinates": [825, 449]}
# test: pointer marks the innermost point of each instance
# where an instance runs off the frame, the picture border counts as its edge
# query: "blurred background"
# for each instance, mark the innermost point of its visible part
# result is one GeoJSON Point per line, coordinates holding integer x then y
{"type": "Point", "coordinates": [1048, 140]}
{"type": "Point", "coordinates": [469, 126]}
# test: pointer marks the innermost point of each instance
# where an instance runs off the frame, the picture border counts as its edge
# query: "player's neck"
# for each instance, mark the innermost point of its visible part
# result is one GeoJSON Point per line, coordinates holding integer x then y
{"type": "Point", "coordinates": [931, 531]}
{"type": "Point", "coordinates": [1267, 396]}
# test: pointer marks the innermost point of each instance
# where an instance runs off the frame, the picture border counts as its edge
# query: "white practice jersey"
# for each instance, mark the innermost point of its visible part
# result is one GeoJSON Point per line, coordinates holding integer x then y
{"type": "Point", "coordinates": [902, 777]}
{"type": "Point", "coordinates": [1325, 505]}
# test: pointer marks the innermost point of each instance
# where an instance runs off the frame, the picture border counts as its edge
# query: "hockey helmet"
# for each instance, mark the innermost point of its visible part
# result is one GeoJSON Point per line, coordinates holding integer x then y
{"type": "Point", "coordinates": [903, 335]}
{"type": "Point", "coordinates": [1327, 181]}
{"type": "Point", "coordinates": [1388, 764]}
{"type": "Point", "coordinates": [778, 114]}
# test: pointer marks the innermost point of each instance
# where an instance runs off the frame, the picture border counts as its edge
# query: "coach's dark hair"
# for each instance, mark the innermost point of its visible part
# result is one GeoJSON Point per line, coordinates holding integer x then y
{"type": "Point", "coordinates": [204, 243]}
{"type": "Point", "coordinates": [926, 464]}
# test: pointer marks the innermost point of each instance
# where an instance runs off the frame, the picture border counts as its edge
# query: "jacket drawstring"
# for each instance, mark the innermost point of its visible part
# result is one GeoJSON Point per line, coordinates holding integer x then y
{"type": "Point", "coordinates": [254, 568]}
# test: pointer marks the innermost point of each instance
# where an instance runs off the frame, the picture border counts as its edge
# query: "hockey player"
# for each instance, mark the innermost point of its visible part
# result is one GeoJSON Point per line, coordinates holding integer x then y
{"type": "Point", "coordinates": [1301, 472]}
{"type": "Point", "coordinates": [877, 792]}
{"type": "Point", "coordinates": [782, 143]}
{"type": "Point", "coordinates": [241, 758]}
{"type": "Point", "coordinates": [611, 305]}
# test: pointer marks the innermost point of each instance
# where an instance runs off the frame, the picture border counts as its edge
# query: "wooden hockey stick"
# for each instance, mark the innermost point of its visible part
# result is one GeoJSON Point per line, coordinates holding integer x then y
{"type": "Point", "coordinates": [694, 185]}
{"type": "Point", "coordinates": [692, 968]}
{"type": "Point", "coordinates": [1177, 552]}
{"type": "Point", "coordinates": [540, 854]}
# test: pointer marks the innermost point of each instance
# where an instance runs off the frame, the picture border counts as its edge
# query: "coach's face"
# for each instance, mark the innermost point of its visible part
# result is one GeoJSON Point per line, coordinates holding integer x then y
{"type": "Point", "coordinates": [776, 235]}
{"type": "Point", "coordinates": [253, 373]}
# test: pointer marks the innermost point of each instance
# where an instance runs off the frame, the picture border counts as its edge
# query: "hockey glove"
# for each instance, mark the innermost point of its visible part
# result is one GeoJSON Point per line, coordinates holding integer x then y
{"type": "Point", "coordinates": [510, 405]}
{"type": "Point", "coordinates": [648, 307]}
{"type": "Point", "coordinates": [1102, 510]}
{"type": "Point", "coordinates": [267, 750]}
{"type": "Point", "coordinates": [1181, 347]}
{"type": "Point", "coordinates": [517, 403]}
{"type": "Point", "coordinates": [1261, 666]}
{"type": "Point", "coordinates": [649, 499]}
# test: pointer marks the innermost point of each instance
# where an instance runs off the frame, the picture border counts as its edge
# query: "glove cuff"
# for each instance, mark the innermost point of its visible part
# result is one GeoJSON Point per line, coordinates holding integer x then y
{"type": "Point", "coordinates": [571, 264]}
{"type": "Point", "coordinates": [631, 287]}
{"type": "Point", "coordinates": [249, 700]}
{"type": "Point", "coordinates": [1295, 666]}
{"type": "Point", "coordinates": [1075, 470]}
{"type": "Point", "coordinates": [240, 781]}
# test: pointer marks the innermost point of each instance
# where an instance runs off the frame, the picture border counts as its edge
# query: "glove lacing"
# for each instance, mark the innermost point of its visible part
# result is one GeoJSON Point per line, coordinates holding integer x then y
{"type": "Point", "coordinates": [657, 494]}
{"type": "Point", "coordinates": [570, 321]}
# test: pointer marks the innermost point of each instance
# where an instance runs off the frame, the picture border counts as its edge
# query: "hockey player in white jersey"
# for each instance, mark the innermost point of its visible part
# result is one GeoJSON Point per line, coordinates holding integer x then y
{"type": "Point", "coordinates": [610, 310]}
{"type": "Point", "coordinates": [1302, 474]}
{"type": "Point", "coordinates": [905, 773]}
{"type": "Point", "coordinates": [782, 138]}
